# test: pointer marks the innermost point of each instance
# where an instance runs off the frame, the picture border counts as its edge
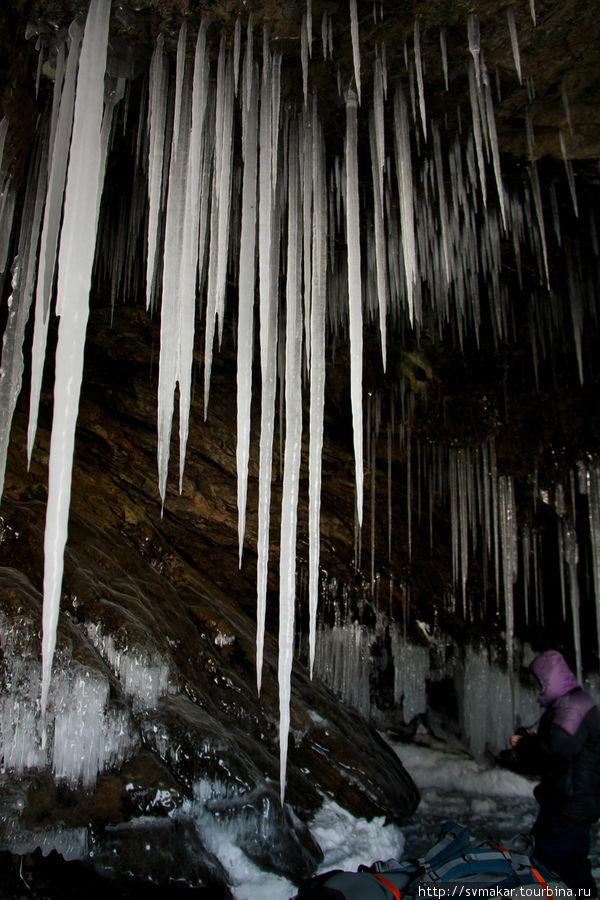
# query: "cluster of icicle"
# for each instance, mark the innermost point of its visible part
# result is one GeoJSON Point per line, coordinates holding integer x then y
{"type": "Point", "coordinates": [483, 522]}
{"type": "Point", "coordinates": [428, 255]}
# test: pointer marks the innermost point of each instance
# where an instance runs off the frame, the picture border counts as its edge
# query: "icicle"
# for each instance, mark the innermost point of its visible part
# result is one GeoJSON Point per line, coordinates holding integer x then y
{"type": "Point", "coordinates": [76, 256]}
{"type": "Point", "coordinates": [474, 44]}
{"type": "Point", "coordinates": [409, 494]}
{"type": "Point", "coordinates": [572, 558]}
{"type": "Point", "coordinates": [173, 252]}
{"type": "Point", "coordinates": [355, 45]}
{"type": "Point", "coordinates": [324, 33]}
{"type": "Point", "coordinates": [373, 466]}
{"type": "Point", "coordinates": [158, 89]}
{"type": "Point", "coordinates": [220, 212]}
{"type": "Point", "coordinates": [569, 171]}
{"type": "Point", "coordinates": [354, 291]}
{"type": "Point", "coordinates": [307, 201]}
{"type": "Point", "coordinates": [237, 43]}
{"type": "Point", "coordinates": [514, 41]}
{"type": "Point", "coordinates": [304, 58]}
{"type": "Point", "coordinates": [419, 69]}
{"type": "Point", "coordinates": [537, 199]}
{"type": "Point", "coordinates": [330, 36]}
{"type": "Point", "coordinates": [376, 131]}
{"type": "Point", "coordinates": [309, 26]}
{"type": "Point", "coordinates": [405, 190]}
{"type": "Point", "coordinates": [567, 108]}
{"type": "Point", "coordinates": [389, 491]}
{"type": "Point", "coordinates": [475, 98]}
{"type": "Point", "coordinates": [246, 281]}
{"type": "Point", "coordinates": [443, 208]}
{"type": "Point", "coordinates": [444, 50]}
{"type": "Point", "coordinates": [191, 225]}
{"type": "Point", "coordinates": [293, 447]}
{"type": "Point", "coordinates": [317, 370]}
{"type": "Point", "coordinates": [532, 11]}
{"type": "Point", "coordinates": [493, 140]}
{"type": "Point", "coordinates": [267, 256]}
{"type": "Point", "coordinates": [508, 532]}
{"type": "Point", "coordinates": [19, 302]}
{"type": "Point", "coordinates": [58, 159]}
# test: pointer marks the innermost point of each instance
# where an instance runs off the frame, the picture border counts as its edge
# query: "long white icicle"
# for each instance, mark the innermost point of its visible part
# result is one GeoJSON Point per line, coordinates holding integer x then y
{"type": "Point", "coordinates": [355, 45]}
{"type": "Point", "coordinates": [293, 448]}
{"type": "Point", "coordinates": [246, 281]}
{"type": "Point", "coordinates": [174, 227]}
{"type": "Point", "coordinates": [405, 190]}
{"type": "Point", "coordinates": [267, 253]}
{"type": "Point", "coordinates": [376, 133]}
{"type": "Point", "coordinates": [191, 227]}
{"type": "Point", "coordinates": [354, 291]}
{"type": "Point", "coordinates": [57, 161]}
{"type": "Point", "coordinates": [220, 213]}
{"type": "Point", "coordinates": [158, 90]}
{"type": "Point", "coordinates": [76, 257]}
{"type": "Point", "coordinates": [19, 303]}
{"type": "Point", "coordinates": [317, 372]}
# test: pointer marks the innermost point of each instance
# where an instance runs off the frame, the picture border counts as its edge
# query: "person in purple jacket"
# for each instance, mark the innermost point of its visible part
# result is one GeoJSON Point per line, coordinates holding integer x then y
{"type": "Point", "coordinates": [565, 752]}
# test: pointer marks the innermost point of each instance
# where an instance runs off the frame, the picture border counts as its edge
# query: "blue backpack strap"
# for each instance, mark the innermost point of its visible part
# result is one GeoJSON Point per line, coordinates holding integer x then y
{"type": "Point", "coordinates": [453, 839]}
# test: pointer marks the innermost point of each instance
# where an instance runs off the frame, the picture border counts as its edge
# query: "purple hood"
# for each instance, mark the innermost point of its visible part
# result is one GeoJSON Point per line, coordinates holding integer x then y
{"type": "Point", "coordinates": [554, 675]}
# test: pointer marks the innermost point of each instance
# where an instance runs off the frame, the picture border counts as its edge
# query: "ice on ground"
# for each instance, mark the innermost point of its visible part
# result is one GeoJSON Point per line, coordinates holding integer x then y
{"type": "Point", "coordinates": [445, 771]}
{"type": "Point", "coordinates": [348, 842]}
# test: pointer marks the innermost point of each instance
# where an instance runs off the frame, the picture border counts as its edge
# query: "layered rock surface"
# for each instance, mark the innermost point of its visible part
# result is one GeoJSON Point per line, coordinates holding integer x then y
{"type": "Point", "coordinates": [155, 734]}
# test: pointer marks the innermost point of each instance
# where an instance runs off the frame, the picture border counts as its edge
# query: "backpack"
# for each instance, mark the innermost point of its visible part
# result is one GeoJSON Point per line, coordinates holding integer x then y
{"type": "Point", "coordinates": [455, 867]}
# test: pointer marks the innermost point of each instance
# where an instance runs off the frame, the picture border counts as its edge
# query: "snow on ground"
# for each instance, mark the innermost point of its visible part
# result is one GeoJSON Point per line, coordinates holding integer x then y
{"type": "Point", "coordinates": [490, 801]}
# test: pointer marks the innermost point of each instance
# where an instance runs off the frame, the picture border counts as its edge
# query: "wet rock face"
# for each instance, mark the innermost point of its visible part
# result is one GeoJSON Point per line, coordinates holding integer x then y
{"type": "Point", "coordinates": [154, 678]}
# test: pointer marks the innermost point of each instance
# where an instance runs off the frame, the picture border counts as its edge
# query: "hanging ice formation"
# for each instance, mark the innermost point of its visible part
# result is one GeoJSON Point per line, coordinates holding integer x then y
{"type": "Point", "coordinates": [85, 178]}
{"type": "Point", "coordinates": [424, 247]}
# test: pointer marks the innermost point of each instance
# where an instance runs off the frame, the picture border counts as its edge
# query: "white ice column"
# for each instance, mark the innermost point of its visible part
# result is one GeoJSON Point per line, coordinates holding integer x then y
{"type": "Point", "coordinates": [76, 257]}
{"type": "Point", "coordinates": [354, 291]}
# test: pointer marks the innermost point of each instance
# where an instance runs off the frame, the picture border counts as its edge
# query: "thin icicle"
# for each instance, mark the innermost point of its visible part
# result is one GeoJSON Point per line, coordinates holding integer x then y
{"type": "Point", "coordinates": [514, 41]}
{"type": "Point", "coordinates": [304, 58]}
{"type": "Point", "coordinates": [355, 45]}
{"type": "Point", "coordinates": [567, 108]}
{"type": "Point", "coordinates": [475, 96]}
{"type": "Point", "coordinates": [444, 51]}
{"type": "Point", "coordinates": [293, 447]}
{"type": "Point", "coordinates": [267, 256]}
{"type": "Point", "coordinates": [532, 11]}
{"type": "Point", "coordinates": [174, 228]}
{"type": "Point", "coordinates": [474, 44]}
{"type": "Point", "coordinates": [569, 171]}
{"type": "Point", "coordinates": [246, 286]}
{"type": "Point", "coordinates": [324, 33]}
{"type": "Point", "coordinates": [405, 190]}
{"type": "Point", "coordinates": [191, 227]}
{"type": "Point", "coordinates": [58, 160]}
{"type": "Point", "coordinates": [76, 256]}
{"type": "Point", "coordinates": [572, 559]}
{"type": "Point", "coordinates": [237, 45]}
{"type": "Point", "coordinates": [376, 132]}
{"type": "Point", "coordinates": [19, 302]}
{"type": "Point", "coordinates": [419, 70]}
{"type": "Point", "coordinates": [220, 213]}
{"type": "Point", "coordinates": [490, 120]}
{"type": "Point", "coordinates": [158, 89]}
{"type": "Point", "coordinates": [317, 371]}
{"type": "Point", "coordinates": [307, 200]}
{"type": "Point", "coordinates": [354, 291]}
